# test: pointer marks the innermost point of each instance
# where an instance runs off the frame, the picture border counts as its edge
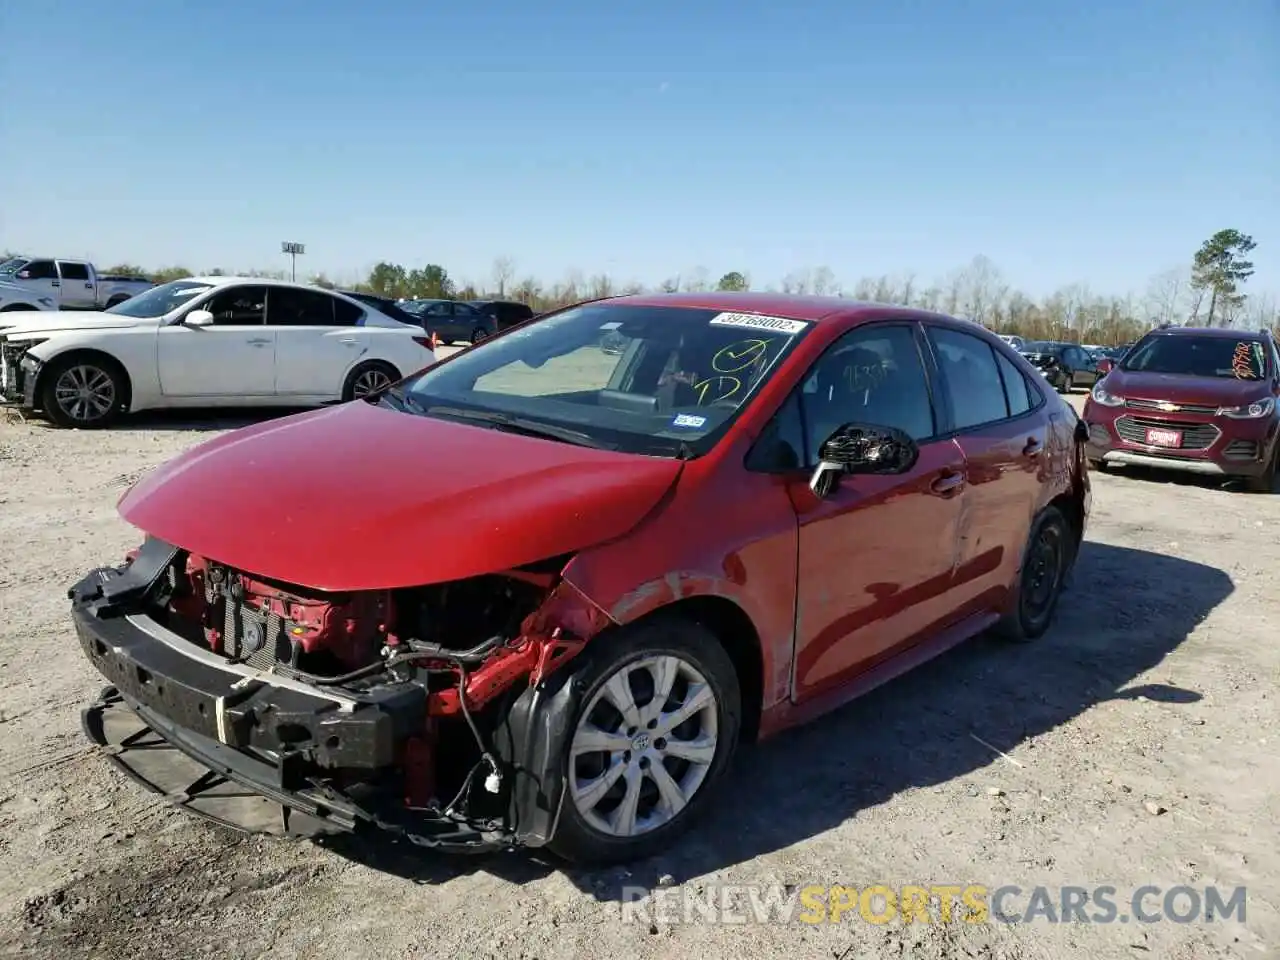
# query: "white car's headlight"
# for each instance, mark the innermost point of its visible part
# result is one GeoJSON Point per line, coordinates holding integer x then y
{"type": "Point", "coordinates": [1250, 411]}
{"type": "Point", "coordinates": [1099, 395]}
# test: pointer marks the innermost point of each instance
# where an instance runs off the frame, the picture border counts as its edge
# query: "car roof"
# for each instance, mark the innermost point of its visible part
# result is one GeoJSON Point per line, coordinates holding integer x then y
{"type": "Point", "coordinates": [815, 309]}
{"type": "Point", "coordinates": [1218, 332]}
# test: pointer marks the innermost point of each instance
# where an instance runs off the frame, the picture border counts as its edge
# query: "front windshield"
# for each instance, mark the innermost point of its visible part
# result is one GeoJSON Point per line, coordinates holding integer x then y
{"type": "Point", "coordinates": [1219, 357]}
{"type": "Point", "coordinates": [657, 380]}
{"type": "Point", "coordinates": [160, 300]}
{"type": "Point", "coordinates": [12, 266]}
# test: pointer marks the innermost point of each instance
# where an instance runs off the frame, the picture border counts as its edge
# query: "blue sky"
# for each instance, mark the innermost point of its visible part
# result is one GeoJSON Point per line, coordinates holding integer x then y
{"type": "Point", "coordinates": [1096, 143]}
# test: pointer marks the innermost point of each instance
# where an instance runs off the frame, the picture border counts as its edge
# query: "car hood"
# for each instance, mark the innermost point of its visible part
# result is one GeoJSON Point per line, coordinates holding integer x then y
{"type": "Point", "coordinates": [1175, 388]}
{"type": "Point", "coordinates": [38, 322]}
{"type": "Point", "coordinates": [361, 497]}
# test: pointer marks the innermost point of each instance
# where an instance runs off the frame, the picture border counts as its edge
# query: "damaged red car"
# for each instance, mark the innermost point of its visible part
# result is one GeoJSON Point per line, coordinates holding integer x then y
{"type": "Point", "coordinates": [536, 594]}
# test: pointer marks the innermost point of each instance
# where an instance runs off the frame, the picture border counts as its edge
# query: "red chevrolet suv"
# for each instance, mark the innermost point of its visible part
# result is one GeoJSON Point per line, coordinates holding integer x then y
{"type": "Point", "coordinates": [1192, 399]}
{"type": "Point", "coordinates": [537, 593]}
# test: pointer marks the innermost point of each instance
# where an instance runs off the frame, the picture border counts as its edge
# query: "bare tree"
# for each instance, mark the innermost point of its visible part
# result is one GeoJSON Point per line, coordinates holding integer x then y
{"type": "Point", "coordinates": [504, 268]}
{"type": "Point", "coordinates": [1165, 295]}
{"type": "Point", "coordinates": [698, 281]}
{"type": "Point", "coordinates": [978, 283]}
{"type": "Point", "coordinates": [823, 283]}
{"type": "Point", "coordinates": [797, 281]}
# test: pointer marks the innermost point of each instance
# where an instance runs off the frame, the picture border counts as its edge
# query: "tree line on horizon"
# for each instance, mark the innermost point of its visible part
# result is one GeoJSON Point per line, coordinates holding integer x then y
{"type": "Point", "coordinates": [1207, 291]}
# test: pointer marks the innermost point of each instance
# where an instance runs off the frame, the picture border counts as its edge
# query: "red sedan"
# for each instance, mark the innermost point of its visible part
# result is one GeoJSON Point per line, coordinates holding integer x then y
{"type": "Point", "coordinates": [536, 594]}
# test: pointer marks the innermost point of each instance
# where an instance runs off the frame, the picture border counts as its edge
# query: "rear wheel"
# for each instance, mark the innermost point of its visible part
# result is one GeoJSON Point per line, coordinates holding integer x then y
{"type": "Point", "coordinates": [654, 730]}
{"type": "Point", "coordinates": [368, 377]}
{"type": "Point", "coordinates": [1045, 564]}
{"type": "Point", "coordinates": [87, 392]}
{"type": "Point", "coordinates": [478, 334]}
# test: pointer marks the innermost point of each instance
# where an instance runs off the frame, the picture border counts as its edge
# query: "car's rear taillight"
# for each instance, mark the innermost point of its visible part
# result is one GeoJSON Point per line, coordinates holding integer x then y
{"type": "Point", "coordinates": [427, 343]}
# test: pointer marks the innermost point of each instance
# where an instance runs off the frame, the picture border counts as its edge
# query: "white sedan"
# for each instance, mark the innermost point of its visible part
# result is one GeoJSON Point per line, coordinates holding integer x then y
{"type": "Point", "coordinates": [204, 342]}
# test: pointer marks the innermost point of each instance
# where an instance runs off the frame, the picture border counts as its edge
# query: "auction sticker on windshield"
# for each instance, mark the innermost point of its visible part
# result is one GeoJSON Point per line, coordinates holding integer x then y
{"type": "Point", "coordinates": [754, 321]}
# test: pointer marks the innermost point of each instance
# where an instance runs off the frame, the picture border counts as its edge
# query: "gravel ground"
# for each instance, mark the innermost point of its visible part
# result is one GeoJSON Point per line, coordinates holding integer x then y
{"type": "Point", "coordinates": [1135, 745]}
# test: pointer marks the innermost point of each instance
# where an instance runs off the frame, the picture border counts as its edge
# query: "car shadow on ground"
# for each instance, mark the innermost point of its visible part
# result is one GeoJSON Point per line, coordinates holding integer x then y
{"type": "Point", "coordinates": [1125, 611]}
{"type": "Point", "coordinates": [1181, 479]}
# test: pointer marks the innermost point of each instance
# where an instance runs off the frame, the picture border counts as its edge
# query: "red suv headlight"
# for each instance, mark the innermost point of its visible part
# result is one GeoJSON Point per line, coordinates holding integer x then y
{"type": "Point", "coordinates": [1250, 411]}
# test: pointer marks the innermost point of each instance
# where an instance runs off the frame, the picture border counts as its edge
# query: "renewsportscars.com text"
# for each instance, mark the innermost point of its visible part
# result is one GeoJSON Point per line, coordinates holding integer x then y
{"type": "Point", "coordinates": [932, 903]}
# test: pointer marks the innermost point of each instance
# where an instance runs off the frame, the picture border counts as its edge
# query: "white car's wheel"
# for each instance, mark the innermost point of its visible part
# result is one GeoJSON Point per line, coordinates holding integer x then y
{"type": "Point", "coordinates": [368, 377]}
{"type": "Point", "coordinates": [86, 391]}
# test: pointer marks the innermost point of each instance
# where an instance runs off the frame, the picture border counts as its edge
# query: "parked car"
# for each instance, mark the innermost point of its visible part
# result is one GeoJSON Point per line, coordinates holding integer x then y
{"type": "Point", "coordinates": [204, 342]}
{"type": "Point", "coordinates": [384, 305]}
{"type": "Point", "coordinates": [71, 284]}
{"type": "Point", "coordinates": [1064, 365]}
{"type": "Point", "coordinates": [537, 594]}
{"type": "Point", "coordinates": [452, 321]}
{"type": "Point", "coordinates": [505, 313]}
{"type": "Point", "coordinates": [1013, 340]}
{"type": "Point", "coordinates": [14, 296]}
{"type": "Point", "coordinates": [1194, 400]}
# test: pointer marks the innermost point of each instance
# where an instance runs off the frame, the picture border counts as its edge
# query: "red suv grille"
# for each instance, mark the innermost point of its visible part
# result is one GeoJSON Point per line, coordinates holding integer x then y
{"type": "Point", "coordinates": [1162, 404]}
{"type": "Point", "coordinates": [1195, 436]}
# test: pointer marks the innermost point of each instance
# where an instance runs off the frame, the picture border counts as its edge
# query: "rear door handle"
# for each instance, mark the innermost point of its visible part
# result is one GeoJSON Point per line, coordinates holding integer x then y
{"type": "Point", "coordinates": [947, 484]}
{"type": "Point", "coordinates": [351, 340]}
{"type": "Point", "coordinates": [258, 343]}
{"type": "Point", "coordinates": [1033, 447]}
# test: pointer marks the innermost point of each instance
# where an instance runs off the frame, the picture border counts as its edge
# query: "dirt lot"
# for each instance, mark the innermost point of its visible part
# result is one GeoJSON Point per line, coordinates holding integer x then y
{"type": "Point", "coordinates": [1139, 740]}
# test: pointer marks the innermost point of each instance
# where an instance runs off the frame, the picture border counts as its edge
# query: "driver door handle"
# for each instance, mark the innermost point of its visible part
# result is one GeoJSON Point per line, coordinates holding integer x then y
{"type": "Point", "coordinates": [351, 340]}
{"type": "Point", "coordinates": [948, 484]}
{"type": "Point", "coordinates": [258, 342]}
{"type": "Point", "coordinates": [1033, 447]}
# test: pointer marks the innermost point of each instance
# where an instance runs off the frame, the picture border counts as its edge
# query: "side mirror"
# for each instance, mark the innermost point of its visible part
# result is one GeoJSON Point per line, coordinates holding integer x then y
{"type": "Point", "coordinates": [198, 318]}
{"type": "Point", "coordinates": [24, 274]}
{"type": "Point", "coordinates": [862, 448]}
{"type": "Point", "coordinates": [1106, 365]}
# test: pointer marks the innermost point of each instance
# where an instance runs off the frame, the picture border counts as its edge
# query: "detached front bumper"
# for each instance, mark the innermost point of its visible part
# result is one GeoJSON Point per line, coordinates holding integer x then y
{"type": "Point", "coordinates": [268, 733]}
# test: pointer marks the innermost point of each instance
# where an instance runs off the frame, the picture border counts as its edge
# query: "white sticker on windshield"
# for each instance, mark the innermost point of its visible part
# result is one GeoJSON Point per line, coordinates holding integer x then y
{"type": "Point", "coordinates": [754, 321]}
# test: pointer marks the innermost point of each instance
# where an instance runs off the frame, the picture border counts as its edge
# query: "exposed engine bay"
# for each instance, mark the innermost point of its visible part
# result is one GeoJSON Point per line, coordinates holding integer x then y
{"type": "Point", "coordinates": [321, 636]}
{"type": "Point", "coordinates": [401, 697]}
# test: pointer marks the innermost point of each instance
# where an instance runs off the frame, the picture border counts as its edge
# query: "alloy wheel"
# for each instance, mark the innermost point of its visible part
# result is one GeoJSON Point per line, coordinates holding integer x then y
{"type": "Point", "coordinates": [368, 381]}
{"type": "Point", "coordinates": [643, 746]}
{"type": "Point", "coordinates": [85, 393]}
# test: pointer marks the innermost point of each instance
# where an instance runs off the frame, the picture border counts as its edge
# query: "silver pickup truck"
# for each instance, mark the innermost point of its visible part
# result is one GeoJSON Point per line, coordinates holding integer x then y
{"type": "Point", "coordinates": [71, 284]}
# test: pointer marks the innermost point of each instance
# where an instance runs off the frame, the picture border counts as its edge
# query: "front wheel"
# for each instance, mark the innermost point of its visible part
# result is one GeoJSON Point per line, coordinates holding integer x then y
{"type": "Point", "coordinates": [655, 728]}
{"type": "Point", "coordinates": [85, 392]}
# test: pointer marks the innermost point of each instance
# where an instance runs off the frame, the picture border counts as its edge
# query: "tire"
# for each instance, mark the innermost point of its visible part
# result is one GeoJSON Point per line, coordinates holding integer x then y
{"type": "Point", "coordinates": [1035, 604]}
{"type": "Point", "coordinates": [478, 334]}
{"type": "Point", "coordinates": [116, 301]}
{"type": "Point", "coordinates": [15, 307]}
{"type": "Point", "coordinates": [1267, 481]}
{"type": "Point", "coordinates": [1099, 465]}
{"type": "Point", "coordinates": [581, 834]}
{"type": "Point", "coordinates": [368, 376]}
{"type": "Point", "coordinates": [100, 388]}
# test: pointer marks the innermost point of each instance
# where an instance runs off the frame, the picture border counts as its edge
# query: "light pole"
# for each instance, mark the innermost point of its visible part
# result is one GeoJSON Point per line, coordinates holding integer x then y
{"type": "Point", "coordinates": [293, 249]}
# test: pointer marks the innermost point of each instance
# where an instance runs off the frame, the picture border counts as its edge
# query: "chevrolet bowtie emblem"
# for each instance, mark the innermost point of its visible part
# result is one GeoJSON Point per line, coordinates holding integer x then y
{"type": "Point", "coordinates": [1166, 406]}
